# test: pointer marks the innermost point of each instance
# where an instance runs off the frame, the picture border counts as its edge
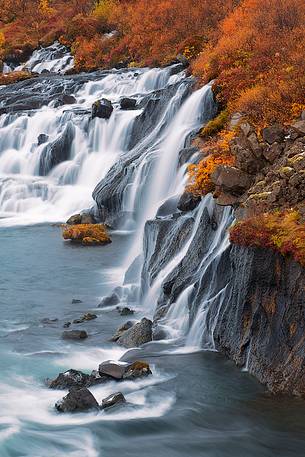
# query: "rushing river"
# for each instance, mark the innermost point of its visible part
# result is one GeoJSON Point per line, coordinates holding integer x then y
{"type": "Point", "coordinates": [196, 403]}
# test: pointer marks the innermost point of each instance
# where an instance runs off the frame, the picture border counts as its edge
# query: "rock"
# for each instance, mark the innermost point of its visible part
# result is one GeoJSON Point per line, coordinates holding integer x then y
{"type": "Point", "coordinates": [125, 311]}
{"type": "Point", "coordinates": [273, 152]}
{"type": "Point", "coordinates": [121, 330]}
{"type": "Point", "coordinates": [42, 138]}
{"type": "Point", "coordinates": [183, 60]}
{"type": "Point", "coordinates": [111, 300]}
{"type": "Point", "coordinates": [137, 335]}
{"type": "Point", "coordinates": [68, 379]}
{"type": "Point", "coordinates": [113, 400]}
{"type": "Point", "coordinates": [231, 179]}
{"type": "Point", "coordinates": [273, 134]}
{"type": "Point", "coordinates": [67, 99]}
{"type": "Point", "coordinates": [75, 301]}
{"type": "Point", "coordinates": [128, 103]}
{"type": "Point", "coordinates": [84, 318]}
{"type": "Point", "coordinates": [188, 202]}
{"type": "Point", "coordinates": [67, 325]}
{"type": "Point", "coordinates": [77, 400]}
{"type": "Point", "coordinates": [186, 154]}
{"type": "Point", "coordinates": [102, 108]}
{"type": "Point", "coordinates": [80, 219]}
{"type": "Point", "coordinates": [74, 335]}
{"type": "Point", "coordinates": [235, 120]}
{"type": "Point", "coordinates": [124, 370]}
{"type": "Point", "coordinates": [114, 369]}
{"type": "Point", "coordinates": [300, 126]}
{"type": "Point", "coordinates": [224, 199]}
{"type": "Point", "coordinates": [47, 321]}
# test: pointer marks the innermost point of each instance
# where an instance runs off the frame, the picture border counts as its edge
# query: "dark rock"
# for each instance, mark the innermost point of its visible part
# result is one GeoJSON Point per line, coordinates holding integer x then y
{"type": "Point", "coordinates": [273, 134]}
{"type": "Point", "coordinates": [125, 311]}
{"type": "Point", "coordinates": [183, 60]}
{"type": "Point", "coordinates": [84, 318]}
{"type": "Point", "coordinates": [74, 335]}
{"type": "Point", "coordinates": [121, 330]}
{"type": "Point", "coordinates": [76, 219]}
{"type": "Point", "coordinates": [273, 152]}
{"type": "Point", "coordinates": [128, 103]}
{"type": "Point", "coordinates": [77, 400]}
{"type": "Point", "coordinates": [66, 324]}
{"type": "Point", "coordinates": [68, 379]}
{"type": "Point", "coordinates": [76, 300]}
{"type": "Point", "coordinates": [137, 335]}
{"type": "Point", "coordinates": [186, 154]}
{"type": "Point", "coordinates": [188, 202]}
{"type": "Point", "coordinates": [300, 126]}
{"type": "Point", "coordinates": [102, 108]}
{"type": "Point", "coordinates": [47, 321]}
{"type": "Point", "coordinates": [42, 138]}
{"type": "Point", "coordinates": [111, 300]}
{"type": "Point", "coordinates": [231, 179]}
{"type": "Point", "coordinates": [113, 400]}
{"type": "Point", "coordinates": [67, 99]}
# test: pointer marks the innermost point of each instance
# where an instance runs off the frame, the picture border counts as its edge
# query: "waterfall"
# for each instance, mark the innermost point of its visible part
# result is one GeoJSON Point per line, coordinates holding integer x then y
{"type": "Point", "coordinates": [52, 156]}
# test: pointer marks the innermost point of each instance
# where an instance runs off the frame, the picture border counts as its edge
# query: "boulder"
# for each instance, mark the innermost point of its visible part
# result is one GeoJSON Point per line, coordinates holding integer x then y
{"type": "Point", "coordinates": [110, 300]}
{"type": "Point", "coordinates": [125, 311]}
{"type": "Point", "coordinates": [68, 379]}
{"type": "Point", "coordinates": [231, 179]}
{"type": "Point", "coordinates": [84, 318]}
{"type": "Point", "coordinates": [124, 370]}
{"type": "Point", "coordinates": [67, 324]}
{"type": "Point", "coordinates": [137, 335]}
{"type": "Point", "coordinates": [273, 152]}
{"type": "Point", "coordinates": [273, 134]}
{"type": "Point", "coordinates": [128, 103]}
{"type": "Point", "coordinates": [300, 126]}
{"type": "Point", "coordinates": [188, 202]}
{"type": "Point", "coordinates": [42, 138]}
{"type": "Point", "coordinates": [121, 330]}
{"type": "Point", "coordinates": [75, 301]}
{"type": "Point", "coordinates": [77, 400]}
{"type": "Point", "coordinates": [80, 219]}
{"type": "Point", "coordinates": [67, 99]}
{"type": "Point", "coordinates": [113, 400]}
{"type": "Point", "coordinates": [74, 335]}
{"type": "Point", "coordinates": [102, 108]}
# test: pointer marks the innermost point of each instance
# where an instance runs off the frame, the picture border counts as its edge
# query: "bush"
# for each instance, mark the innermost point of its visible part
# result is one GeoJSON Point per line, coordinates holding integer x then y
{"type": "Point", "coordinates": [281, 231]}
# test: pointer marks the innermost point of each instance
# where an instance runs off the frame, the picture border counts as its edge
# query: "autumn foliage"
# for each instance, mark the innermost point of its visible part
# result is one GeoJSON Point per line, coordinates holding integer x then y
{"type": "Point", "coordinates": [281, 231]}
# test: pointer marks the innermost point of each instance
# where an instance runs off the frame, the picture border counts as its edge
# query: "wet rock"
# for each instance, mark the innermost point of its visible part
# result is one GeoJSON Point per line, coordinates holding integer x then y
{"type": "Point", "coordinates": [102, 108]}
{"type": "Point", "coordinates": [125, 311]}
{"type": "Point", "coordinates": [188, 202]}
{"type": "Point", "coordinates": [128, 103]}
{"type": "Point", "coordinates": [186, 154]}
{"type": "Point", "coordinates": [137, 335]}
{"type": "Point", "coordinates": [47, 321]}
{"type": "Point", "coordinates": [84, 318]}
{"type": "Point", "coordinates": [67, 99]}
{"type": "Point", "coordinates": [42, 138]}
{"type": "Point", "coordinates": [124, 370]}
{"type": "Point", "coordinates": [110, 300]}
{"type": "Point", "coordinates": [77, 400]}
{"type": "Point", "coordinates": [121, 330]}
{"type": "Point", "coordinates": [74, 335]}
{"type": "Point", "coordinates": [273, 134]}
{"type": "Point", "coordinates": [76, 219]}
{"type": "Point", "coordinates": [113, 400]}
{"type": "Point", "coordinates": [66, 324]}
{"type": "Point", "coordinates": [68, 379]}
{"type": "Point", "coordinates": [75, 301]}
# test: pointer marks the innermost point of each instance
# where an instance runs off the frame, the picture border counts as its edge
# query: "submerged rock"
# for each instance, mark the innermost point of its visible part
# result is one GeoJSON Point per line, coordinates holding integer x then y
{"type": "Point", "coordinates": [47, 321]}
{"type": "Point", "coordinates": [75, 301]}
{"type": "Point", "coordinates": [125, 311]}
{"type": "Point", "coordinates": [110, 300]}
{"type": "Point", "coordinates": [77, 400]}
{"type": "Point", "coordinates": [74, 335]}
{"type": "Point", "coordinates": [113, 400]}
{"type": "Point", "coordinates": [102, 108]}
{"type": "Point", "coordinates": [137, 335]}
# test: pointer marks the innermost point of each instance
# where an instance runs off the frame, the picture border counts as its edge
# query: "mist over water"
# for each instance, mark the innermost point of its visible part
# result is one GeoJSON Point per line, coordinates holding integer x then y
{"type": "Point", "coordinates": [196, 403]}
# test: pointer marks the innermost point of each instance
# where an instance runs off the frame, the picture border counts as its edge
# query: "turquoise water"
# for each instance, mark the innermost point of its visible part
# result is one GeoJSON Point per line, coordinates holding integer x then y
{"type": "Point", "coordinates": [196, 404]}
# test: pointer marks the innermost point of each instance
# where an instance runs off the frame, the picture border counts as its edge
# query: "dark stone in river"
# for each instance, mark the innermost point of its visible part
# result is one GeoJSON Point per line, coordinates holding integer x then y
{"type": "Point", "coordinates": [119, 332]}
{"type": "Point", "coordinates": [75, 301]}
{"type": "Point", "coordinates": [102, 108]}
{"type": "Point", "coordinates": [137, 335]}
{"type": "Point", "coordinates": [110, 300]}
{"type": "Point", "coordinates": [128, 103]}
{"type": "Point", "coordinates": [115, 399]}
{"type": "Point", "coordinates": [42, 138]}
{"type": "Point", "coordinates": [75, 378]}
{"type": "Point", "coordinates": [125, 311]}
{"type": "Point", "coordinates": [124, 370]}
{"type": "Point", "coordinates": [74, 335]}
{"type": "Point", "coordinates": [77, 400]}
{"type": "Point", "coordinates": [188, 202]}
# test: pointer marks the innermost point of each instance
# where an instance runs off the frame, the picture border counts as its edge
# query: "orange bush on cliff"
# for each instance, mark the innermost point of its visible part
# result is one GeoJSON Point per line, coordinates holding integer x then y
{"type": "Point", "coordinates": [86, 234]}
{"type": "Point", "coordinates": [280, 231]}
{"type": "Point", "coordinates": [258, 59]}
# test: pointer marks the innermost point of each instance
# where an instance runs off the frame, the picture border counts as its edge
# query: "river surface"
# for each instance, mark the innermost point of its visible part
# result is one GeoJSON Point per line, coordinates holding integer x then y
{"type": "Point", "coordinates": [195, 404]}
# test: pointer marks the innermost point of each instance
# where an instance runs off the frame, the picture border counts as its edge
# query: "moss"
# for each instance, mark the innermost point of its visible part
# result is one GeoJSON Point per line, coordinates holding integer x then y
{"type": "Point", "coordinates": [215, 125]}
{"type": "Point", "coordinates": [86, 234]}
